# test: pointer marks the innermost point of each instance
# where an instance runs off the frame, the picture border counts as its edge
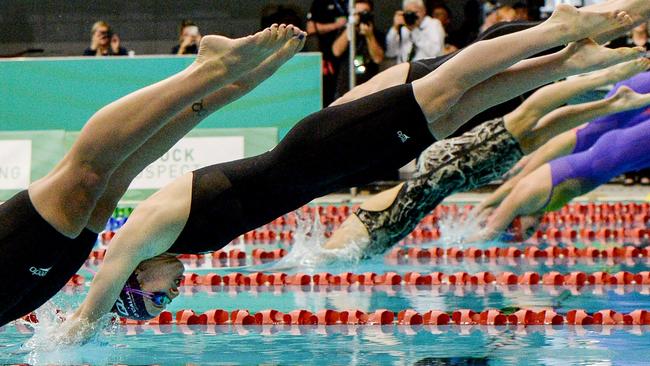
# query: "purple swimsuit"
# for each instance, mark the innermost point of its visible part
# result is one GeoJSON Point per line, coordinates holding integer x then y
{"type": "Point", "coordinates": [616, 152]}
{"type": "Point", "coordinates": [587, 136]}
{"type": "Point", "coordinates": [610, 145]}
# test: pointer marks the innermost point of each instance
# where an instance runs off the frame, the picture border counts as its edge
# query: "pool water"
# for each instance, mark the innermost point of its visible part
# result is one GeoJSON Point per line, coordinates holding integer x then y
{"type": "Point", "coordinates": [361, 345]}
{"type": "Point", "coordinates": [369, 344]}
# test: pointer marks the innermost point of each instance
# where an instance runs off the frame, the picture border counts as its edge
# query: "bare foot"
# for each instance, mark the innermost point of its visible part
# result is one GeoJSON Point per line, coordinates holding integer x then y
{"type": "Point", "coordinates": [586, 55]}
{"type": "Point", "coordinates": [294, 40]}
{"type": "Point", "coordinates": [578, 24]}
{"type": "Point", "coordinates": [627, 99]}
{"type": "Point", "coordinates": [626, 70]}
{"type": "Point", "coordinates": [639, 10]}
{"type": "Point", "coordinates": [231, 58]}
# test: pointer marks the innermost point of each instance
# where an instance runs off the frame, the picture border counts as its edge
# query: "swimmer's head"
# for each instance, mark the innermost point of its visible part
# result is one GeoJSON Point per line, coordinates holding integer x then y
{"type": "Point", "coordinates": [529, 225]}
{"type": "Point", "coordinates": [521, 228]}
{"type": "Point", "coordinates": [150, 288]}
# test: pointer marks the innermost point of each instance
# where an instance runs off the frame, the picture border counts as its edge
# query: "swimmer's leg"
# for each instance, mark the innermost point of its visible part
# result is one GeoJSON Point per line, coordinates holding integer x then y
{"type": "Point", "coordinates": [181, 124]}
{"type": "Point", "coordinates": [538, 119]}
{"type": "Point", "coordinates": [574, 115]}
{"type": "Point", "coordinates": [578, 57]}
{"type": "Point", "coordinates": [561, 145]}
{"type": "Point", "coordinates": [539, 123]}
{"type": "Point", "coordinates": [462, 72]}
{"type": "Point", "coordinates": [66, 197]}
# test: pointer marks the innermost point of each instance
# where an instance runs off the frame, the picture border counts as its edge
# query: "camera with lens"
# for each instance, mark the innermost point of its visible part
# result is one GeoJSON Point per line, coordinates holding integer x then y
{"type": "Point", "coordinates": [106, 34]}
{"type": "Point", "coordinates": [366, 17]}
{"type": "Point", "coordinates": [410, 17]}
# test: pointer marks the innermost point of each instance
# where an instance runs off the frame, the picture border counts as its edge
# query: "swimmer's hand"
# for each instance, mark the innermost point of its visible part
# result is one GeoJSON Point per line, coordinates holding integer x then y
{"type": "Point", "coordinates": [521, 164]}
{"type": "Point", "coordinates": [482, 235]}
{"type": "Point", "coordinates": [74, 331]}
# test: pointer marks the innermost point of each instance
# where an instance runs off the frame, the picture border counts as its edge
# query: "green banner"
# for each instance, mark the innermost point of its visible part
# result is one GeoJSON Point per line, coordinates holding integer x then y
{"type": "Point", "coordinates": [45, 101]}
{"type": "Point", "coordinates": [45, 93]}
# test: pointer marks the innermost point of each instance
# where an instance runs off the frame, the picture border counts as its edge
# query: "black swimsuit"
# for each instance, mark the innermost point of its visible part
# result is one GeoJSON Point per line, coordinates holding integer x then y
{"type": "Point", "coordinates": [337, 147]}
{"type": "Point", "coordinates": [37, 260]}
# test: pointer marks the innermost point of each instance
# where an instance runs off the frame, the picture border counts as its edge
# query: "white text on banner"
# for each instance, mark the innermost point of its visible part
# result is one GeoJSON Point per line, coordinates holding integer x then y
{"type": "Point", "coordinates": [189, 154]}
{"type": "Point", "coordinates": [15, 164]}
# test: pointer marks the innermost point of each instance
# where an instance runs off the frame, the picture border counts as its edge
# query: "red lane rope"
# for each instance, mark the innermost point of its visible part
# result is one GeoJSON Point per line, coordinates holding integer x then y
{"type": "Point", "coordinates": [586, 222]}
{"type": "Point", "coordinates": [221, 257]}
{"type": "Point", "coordinates": [523, 316]}
{"type": "Point", "coordinates": [403, 317]}
{"type": "Point", "coordinates": [552, 278]}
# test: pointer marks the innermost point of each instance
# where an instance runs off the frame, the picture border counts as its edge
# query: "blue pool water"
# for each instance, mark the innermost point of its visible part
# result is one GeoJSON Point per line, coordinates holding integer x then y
{"type": "Point", "coordinates": [356, 346]}
{"type": "Point", "coordinates": [363, 345]}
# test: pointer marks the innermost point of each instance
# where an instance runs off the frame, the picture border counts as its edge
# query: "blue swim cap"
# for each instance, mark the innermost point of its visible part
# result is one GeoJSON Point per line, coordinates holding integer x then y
{"type": "Point", "coordinates": [130, 304]}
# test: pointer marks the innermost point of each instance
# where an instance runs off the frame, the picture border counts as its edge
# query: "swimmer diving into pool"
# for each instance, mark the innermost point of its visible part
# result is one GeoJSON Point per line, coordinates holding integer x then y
{"type": "Point", "coordinates": [480, 156]}
{"type": "Point", "coordinates": [205, 210]}
{"type": "Point", "coordinates": [554, 184]}
{"type": "Point", "coordinates": [47, 232]}
{"type": "Point", "coordinates": [572, 164]}
{"type": "Point", "coordinates": [570, 142]}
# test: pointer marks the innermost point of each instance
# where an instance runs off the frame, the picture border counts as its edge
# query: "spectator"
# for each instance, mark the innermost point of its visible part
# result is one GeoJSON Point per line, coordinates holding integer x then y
{"type": "Point", "coordinates": [189, 38]}
{"type": "Point", "coordinates": [442, 12]}
{"type": "Point", "coordinates": [104, 42]}
{"type": "Point", "coordinates": [369, 48]}
{"type": "Point", "coordinates": [414, 35]}
{"type": "Point", "coordinates": [497, 14]}
{"type": "Point", "coordinates": [637, 37]}
{"type": "Point", "coordinates": [469, 30]}
{"type": "Point", "coordinates": [326, 18]}
{"type": "Point", "coordinates": [521, 9]}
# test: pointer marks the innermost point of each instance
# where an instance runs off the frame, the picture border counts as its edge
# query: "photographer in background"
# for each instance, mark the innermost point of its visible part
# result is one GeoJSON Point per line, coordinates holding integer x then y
{"type": "Point", "coordinates": [442, 12]}
{"type": "Point", "coordinates": [414, 35]}
{"type": "Point", "coordinates": [189, 38]}
{"type": "Point", "coordinates": [369, 48]}
{"type": "Point", "coordinates": [104, 42]}
{"type": "Point", "coordinates": [325, 20]}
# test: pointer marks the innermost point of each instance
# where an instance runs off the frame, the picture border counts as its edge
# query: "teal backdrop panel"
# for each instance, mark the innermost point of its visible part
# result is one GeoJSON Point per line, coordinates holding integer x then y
{"type": "Point", "coordinates": [62, 93]}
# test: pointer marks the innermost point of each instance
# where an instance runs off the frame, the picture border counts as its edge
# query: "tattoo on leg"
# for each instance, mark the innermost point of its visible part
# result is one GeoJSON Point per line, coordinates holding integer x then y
{"type": "Point", "coordinates": [198, 107]}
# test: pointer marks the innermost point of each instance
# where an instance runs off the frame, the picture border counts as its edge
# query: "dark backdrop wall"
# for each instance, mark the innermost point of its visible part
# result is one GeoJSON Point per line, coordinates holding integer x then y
{"type": "Point", "coordinates": [62, 27]}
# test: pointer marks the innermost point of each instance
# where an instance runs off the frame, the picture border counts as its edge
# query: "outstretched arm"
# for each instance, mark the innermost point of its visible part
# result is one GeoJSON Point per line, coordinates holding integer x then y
{"type": "Point", "coordinates": [164, 215]}
{"type": "Point", "coordinates": [528, 196]}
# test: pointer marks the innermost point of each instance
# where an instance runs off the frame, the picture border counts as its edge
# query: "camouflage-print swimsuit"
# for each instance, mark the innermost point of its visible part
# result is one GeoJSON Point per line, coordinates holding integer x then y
{"type": "Point", "coordinates": [463, 163]}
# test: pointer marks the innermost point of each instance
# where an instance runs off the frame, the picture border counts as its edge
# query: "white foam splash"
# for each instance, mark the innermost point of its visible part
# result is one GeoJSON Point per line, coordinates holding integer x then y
{"type": "Point", "coordinates": [51, 344]}
{"type": "Point", "coordinates": [307, 252]}
{"type": "Point", "coordinates": [456, 228]}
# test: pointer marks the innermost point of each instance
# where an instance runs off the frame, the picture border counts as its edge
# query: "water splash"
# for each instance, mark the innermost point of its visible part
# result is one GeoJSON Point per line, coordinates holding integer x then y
{"type": "Point", "coordinates": [51, 343]}
{"type": "Point", "coordinates": [455, 228]}
{"type": "Point", "coordinates": [307, 252]}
